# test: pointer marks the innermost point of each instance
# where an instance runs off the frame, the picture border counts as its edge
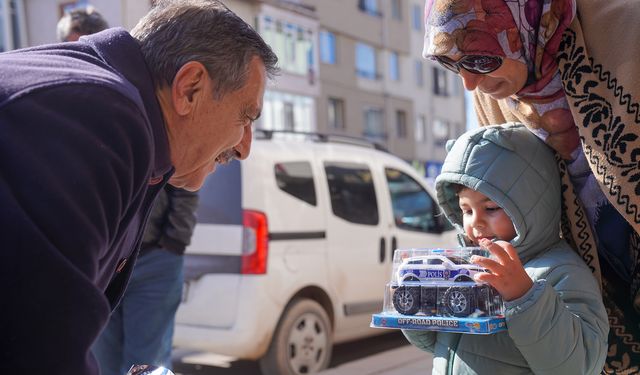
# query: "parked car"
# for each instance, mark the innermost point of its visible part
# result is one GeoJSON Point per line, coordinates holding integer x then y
{"type": "Point", "coordinates": [294, 247]}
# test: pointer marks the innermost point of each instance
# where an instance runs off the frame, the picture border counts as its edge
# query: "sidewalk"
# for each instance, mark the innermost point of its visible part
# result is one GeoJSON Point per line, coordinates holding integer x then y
{"type": "Point", "coordinates": [406, 360]}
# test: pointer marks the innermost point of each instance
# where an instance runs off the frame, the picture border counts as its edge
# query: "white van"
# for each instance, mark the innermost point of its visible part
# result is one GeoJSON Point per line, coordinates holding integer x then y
{"type": "Point", "coordinates": [294, 246]}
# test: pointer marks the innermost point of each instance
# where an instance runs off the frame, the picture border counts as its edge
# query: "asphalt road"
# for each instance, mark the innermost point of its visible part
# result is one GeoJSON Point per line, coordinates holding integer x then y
{"type": "Point", "coordinates": [342, 353]}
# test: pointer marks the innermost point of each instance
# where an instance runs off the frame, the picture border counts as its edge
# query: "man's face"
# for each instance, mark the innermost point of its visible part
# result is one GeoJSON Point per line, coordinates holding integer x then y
{"type": "Point", "coordinates": [217, 131]}
{"type": "Point", "coordinates": [483, 218]}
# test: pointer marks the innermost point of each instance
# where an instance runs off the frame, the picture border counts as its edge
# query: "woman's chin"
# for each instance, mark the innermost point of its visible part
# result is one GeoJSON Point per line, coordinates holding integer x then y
{"type": "Point", "coordinates": [496, 94]}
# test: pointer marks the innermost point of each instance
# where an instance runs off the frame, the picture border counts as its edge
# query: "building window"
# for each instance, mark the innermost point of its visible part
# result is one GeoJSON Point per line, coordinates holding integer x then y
{"type": "Point", "coordinates": [421, 125]}
{"type": "Point", "coordinates": [327, 47]}
{"type": "Point", "coordinates": [394, 66]}
{"type": "Point", "coordinates": [374, 125]}
{"type": "Point", "coordinates": [439, 81]}
{"type": "Point", "coordinates": [396, 10]}
{"type": "Point", "coordinates": [284, 111]}
{"type": "Point", "coordinates": [454, 84]}
{"type": "Point", "coordinates": [419, 71]}
{"type": "Point", "coordinates": [369, 6]}
{"type": "Point", "coordinates": [12, 25]}
{"type": "Point", "coordinates": [291, 43]}
{"type": "Point", "coordinates": [416, 17]}
{"type": "Point", "coordinates": [289, 117]}
{"type": "Point", "coordinates": [401, 124]}
{"type": "Point", "coordinates": [336, 113]}
{"type": "Point", "coordinates": [366, 61]}
{"type": "Point", "coordinates": [440, 132]}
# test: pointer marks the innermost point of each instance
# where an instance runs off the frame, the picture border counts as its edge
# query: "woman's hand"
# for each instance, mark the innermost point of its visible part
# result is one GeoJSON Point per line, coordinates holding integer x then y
{"type": "Point", "coordinates": [507, 273]}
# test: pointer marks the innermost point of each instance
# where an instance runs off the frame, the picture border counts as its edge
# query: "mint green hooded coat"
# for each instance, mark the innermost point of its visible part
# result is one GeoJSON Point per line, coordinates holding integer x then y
{"type": "Point", "coordinates": [559, 326]}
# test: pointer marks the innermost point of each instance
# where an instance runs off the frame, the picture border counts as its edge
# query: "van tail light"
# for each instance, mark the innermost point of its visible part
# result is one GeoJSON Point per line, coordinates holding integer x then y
{"type": "Point", "coordinates": [255, 242]}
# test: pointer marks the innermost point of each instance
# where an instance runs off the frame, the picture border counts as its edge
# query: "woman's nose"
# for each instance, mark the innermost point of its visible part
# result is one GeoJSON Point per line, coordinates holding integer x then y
{"type": "Point", "coordinates": [470, 80]}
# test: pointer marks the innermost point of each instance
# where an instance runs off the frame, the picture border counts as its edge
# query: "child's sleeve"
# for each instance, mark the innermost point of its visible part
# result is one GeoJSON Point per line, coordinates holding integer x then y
{"type": "Point", "coordinates": [424, 340]}
{"type": "Point", "coordinates": [560, 326]}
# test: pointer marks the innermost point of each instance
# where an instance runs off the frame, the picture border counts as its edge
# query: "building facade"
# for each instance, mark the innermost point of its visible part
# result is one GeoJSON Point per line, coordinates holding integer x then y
{"type": "Point", "coordinates": [349, 67]}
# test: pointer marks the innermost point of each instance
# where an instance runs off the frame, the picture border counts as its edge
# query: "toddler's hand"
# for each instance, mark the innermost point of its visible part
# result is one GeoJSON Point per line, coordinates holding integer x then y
{"type": "Point", "coordinates": [507, 274]}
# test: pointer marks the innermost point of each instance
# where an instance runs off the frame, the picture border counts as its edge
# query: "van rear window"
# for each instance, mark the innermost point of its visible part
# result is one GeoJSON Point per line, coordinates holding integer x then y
{"type": "Point", "coordinates": [296, 179]}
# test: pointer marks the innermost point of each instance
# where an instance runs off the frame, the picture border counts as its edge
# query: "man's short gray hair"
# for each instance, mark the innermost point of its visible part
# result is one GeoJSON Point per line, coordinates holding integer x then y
{"type": "Point", "coordinates": [81, 21]}
{"type": "Point", "coordinates": [175, 32]}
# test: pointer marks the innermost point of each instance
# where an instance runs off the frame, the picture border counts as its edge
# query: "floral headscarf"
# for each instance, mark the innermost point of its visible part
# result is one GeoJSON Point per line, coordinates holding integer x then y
{"type": "Point", "coordinates": [529, 31]}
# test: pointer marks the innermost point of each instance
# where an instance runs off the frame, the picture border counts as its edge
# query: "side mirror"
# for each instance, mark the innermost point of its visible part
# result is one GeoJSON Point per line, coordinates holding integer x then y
{"type": "Point", "coordinates": [149, 370]}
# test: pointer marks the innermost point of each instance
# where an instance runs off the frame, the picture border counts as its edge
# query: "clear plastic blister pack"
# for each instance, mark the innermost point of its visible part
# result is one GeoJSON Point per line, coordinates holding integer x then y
{"type": "Point", "coordinates": [434, 289]}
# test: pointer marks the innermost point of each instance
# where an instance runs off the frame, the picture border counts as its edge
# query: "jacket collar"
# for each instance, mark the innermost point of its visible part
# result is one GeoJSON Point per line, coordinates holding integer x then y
{"type": "Point", "coordinates": [122, 52]}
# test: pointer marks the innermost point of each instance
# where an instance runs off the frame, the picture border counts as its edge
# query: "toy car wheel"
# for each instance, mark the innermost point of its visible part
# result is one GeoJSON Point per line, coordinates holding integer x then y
{"type": "Point", "coordinates": [406, 300]}
{"type": "Point", "coordinates": [302, 342]}
{"type": "Point", "coordinates": [457, 300]}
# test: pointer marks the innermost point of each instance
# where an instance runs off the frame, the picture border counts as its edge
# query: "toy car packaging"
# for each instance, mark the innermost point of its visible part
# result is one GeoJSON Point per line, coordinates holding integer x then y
{"type": "Point", "coordinates": [434, 290]}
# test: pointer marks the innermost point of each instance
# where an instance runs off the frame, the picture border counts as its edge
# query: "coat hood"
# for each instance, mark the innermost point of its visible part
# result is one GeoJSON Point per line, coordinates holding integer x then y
{"type": "Point", "coordinates": [512, 167]}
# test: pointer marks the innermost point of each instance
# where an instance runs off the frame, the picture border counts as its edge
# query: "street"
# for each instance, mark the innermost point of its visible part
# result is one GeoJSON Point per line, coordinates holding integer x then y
{"type": "Point", "coordinates": [342, 355]}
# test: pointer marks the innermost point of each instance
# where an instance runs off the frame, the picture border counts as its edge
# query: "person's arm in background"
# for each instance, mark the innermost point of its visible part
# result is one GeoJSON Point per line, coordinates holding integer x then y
{"type": "Point", "coordinates": [424, 340]}
{"type": "Point", "coordinates": [180, 219]}
{"type": "Point", "coordinates": [67, 178]}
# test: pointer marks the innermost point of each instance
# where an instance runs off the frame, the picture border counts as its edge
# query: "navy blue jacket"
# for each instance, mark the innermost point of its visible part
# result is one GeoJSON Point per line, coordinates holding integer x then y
{"type": "Point", "coordinates": [83, 153]}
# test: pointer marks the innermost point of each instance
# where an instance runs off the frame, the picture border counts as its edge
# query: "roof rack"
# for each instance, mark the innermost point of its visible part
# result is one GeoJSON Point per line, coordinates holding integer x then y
{"type": "Point", "coordinates": [322, 137]}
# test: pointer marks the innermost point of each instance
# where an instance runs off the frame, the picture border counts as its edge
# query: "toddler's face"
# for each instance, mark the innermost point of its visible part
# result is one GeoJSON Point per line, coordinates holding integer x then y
{"type": "Point", "coordinates": [483, 218]}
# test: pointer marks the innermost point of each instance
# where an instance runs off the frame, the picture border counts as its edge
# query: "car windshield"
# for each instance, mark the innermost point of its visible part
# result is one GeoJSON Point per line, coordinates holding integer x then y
{"type": "Point", "coordinates": [458, 260]}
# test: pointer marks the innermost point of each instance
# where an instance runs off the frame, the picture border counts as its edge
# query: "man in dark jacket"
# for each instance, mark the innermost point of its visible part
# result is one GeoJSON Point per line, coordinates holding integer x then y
{"type": "Point", "coordinates": [140, 330]}
{"type": "Point", "coordinates": [90, 132]}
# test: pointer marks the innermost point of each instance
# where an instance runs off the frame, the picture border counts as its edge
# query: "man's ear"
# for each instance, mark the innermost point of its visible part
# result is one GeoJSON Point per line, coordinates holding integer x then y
{"type": "Point", "coordinates": [188, 85]}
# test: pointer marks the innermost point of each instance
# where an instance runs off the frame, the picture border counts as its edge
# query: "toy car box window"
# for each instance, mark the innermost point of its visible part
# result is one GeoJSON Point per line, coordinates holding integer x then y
{"type": "Point", "coordinates": [433, 289]}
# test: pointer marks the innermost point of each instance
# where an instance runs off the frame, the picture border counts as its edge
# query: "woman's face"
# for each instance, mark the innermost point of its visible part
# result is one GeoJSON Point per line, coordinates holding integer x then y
{"type": "Point", "coordinates": [499, 84]}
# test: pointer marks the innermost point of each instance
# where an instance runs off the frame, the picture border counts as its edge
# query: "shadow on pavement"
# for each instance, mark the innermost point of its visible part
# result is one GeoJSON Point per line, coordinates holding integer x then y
{"type": "Point", "coordinates": [342, 353]}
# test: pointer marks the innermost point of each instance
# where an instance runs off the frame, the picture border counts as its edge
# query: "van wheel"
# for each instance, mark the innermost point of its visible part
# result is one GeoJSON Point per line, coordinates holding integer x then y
{"type": "Point", "coordinates": [302, 343]}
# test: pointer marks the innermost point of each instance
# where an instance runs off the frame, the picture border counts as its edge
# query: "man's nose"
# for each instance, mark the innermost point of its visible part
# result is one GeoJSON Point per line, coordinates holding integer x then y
{"type": "Point", "coordinates": [470, 80]}
{"type": "Point", "coordinates": [244, 147]}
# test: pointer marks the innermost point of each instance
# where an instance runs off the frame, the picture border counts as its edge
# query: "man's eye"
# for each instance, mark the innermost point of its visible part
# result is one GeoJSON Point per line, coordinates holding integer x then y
{"type": "Point", "coordinates": [492, 209]}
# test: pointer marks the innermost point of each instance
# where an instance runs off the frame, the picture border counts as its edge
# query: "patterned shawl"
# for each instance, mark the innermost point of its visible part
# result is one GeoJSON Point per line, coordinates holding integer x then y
{"type": "Point", "coordinates": [595, 74]}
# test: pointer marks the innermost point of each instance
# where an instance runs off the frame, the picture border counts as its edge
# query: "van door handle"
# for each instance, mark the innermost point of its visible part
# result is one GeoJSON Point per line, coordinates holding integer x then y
{"type": "Point", "coordinates": [383, 249]}
{"type": "Point", "coordinates": [394, 245]}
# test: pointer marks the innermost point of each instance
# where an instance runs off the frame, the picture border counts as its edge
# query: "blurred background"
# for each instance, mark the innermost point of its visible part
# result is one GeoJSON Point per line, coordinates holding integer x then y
{"type": "Point", "coordinates": [351, 67]}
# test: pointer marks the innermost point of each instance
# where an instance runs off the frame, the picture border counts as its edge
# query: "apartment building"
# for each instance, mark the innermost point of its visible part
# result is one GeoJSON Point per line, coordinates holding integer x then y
{"type": "Point", "coordinates": [350, 67]}
{"type": "Point", "coordinates": [291, 29]}
{"type": "Point", "coordinates": [375, 83]}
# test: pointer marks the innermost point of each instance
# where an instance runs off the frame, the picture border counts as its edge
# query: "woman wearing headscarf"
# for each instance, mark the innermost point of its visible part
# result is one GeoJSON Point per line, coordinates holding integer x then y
{"type": "Point", "coordinates": [570, 71]}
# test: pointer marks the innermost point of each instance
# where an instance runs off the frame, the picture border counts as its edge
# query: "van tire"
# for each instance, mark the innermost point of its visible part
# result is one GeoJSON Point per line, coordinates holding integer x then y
{"type": "Point", "coordinates": [302, 342]}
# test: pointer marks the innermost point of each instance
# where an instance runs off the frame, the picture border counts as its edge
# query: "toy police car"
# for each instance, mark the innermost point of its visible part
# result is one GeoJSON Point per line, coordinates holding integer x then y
{"type": "Point", "coordinates": [437, 267]}
{"type": "Point", "coordinates": [441, 285]}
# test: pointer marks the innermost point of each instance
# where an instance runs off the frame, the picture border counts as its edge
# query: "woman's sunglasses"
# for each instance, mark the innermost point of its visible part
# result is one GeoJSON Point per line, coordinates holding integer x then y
{"type": "Point", "coordinates": [476, 64]}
